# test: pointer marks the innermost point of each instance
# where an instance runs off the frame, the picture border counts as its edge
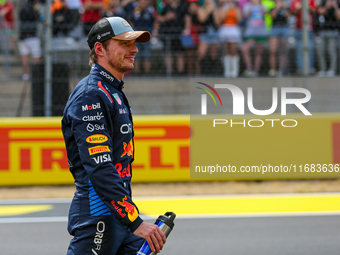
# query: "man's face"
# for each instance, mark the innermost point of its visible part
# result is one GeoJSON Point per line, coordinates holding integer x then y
{"type": "Point", "coordinates": [121, 55]}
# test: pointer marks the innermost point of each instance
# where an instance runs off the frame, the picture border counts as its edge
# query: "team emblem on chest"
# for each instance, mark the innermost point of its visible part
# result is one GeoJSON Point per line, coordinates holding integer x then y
{"type": "Point", "coordinates": [115, 95]}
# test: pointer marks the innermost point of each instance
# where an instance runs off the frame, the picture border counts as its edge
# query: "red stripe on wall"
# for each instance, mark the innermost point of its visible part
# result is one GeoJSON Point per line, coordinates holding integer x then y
{"type": "Point", "coordinates": [336, 143]}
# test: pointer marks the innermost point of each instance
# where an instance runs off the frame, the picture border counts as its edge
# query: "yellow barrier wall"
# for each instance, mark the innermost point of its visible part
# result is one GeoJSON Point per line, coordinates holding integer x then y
{"type": "Point", "coordinates": [33, 152]}
{"type": "Point", "coordinates": [311, 149]}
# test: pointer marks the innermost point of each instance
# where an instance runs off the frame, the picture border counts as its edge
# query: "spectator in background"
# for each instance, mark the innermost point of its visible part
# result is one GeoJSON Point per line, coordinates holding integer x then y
{"type": "Point", "coordinates": [114, 10]}
{"type": "Point", "coordinates": [255, 33]}
{"type": "Point", "coordinates": [29, 43]}
{"type": "Point", "coordinates": [143, 19]}
{"type": "Point", "coordinates": [268, 19]}
{"type": "Point", "coordinates": [242, 3]}
{"type": "Point", "coordinates": [73, 6]}
{"type": "Point", "coordinates": [207, 15]}
{"type": "Point", "coordinates": [7, 23]}
{"type": "Point", "coordinates": [278, 37]}
{"type": "Point", "coordinates": [93, 12]}
{"type": "Point", "coordinates": [229, 15]}
{"type": "Point", "coordinates": [192, 32]}
{"type": "Point", "coordinates": [128, 6]}
{"type": "Point", "coordinates": [329, 11]}
{"type": "Point", "coordinates": [61, 17]}
{"type": "Point", "coordinates": [106, 4]}
{"type": "Point", "coordinates": [172, 24]}
{"type": "Point", "coordinates": [296, 9]}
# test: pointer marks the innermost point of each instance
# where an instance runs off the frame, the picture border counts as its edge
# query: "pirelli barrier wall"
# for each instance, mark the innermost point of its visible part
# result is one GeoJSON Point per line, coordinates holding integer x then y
{"type": "Point", "coordinates": [33, 151]}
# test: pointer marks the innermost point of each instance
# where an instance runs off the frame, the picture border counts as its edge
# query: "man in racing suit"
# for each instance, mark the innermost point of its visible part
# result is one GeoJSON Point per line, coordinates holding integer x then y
{"type": "Point", "coordinates": [98, 132]}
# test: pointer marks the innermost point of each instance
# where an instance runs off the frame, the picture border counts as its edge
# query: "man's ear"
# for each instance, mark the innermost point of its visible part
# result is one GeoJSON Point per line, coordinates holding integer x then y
{"type": "Point", "coordinates": [99, 49]}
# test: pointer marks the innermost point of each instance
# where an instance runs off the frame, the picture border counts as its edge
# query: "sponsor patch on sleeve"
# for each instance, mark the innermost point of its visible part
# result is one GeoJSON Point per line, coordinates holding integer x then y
{"type": "Point", "coordinates": [98, 149]}
{"type": "Point", "coordinates": [98, 138]}
{"type": "Point", "coordinates": [130, 209]}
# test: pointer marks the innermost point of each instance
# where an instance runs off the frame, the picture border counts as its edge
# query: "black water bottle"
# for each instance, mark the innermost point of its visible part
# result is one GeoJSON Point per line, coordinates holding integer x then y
{"type": "Point", "coordinates": [166, 224]}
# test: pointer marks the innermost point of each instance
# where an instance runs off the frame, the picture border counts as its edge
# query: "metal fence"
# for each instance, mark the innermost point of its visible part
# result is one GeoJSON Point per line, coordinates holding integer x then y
{"type": "Point", "coordinates": [185, 50]}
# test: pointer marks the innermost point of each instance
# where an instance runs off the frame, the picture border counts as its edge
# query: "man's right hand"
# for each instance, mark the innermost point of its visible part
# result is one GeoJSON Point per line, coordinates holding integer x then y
{"type": "Point", "coordinates": [152, 234]}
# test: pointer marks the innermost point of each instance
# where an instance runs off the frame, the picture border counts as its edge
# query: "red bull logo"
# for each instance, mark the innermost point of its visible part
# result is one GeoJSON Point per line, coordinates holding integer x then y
{"type": "Point", "coordinates": [118, 209]}
{"type": "Point", "coordinates": [128, 149]}
{"type": "Point", "coordinates": [130, 209]}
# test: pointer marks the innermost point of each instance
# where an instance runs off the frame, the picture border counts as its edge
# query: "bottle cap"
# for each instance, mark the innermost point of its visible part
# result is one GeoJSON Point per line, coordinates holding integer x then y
{"type": "Point", "coordinates": [168, 220]}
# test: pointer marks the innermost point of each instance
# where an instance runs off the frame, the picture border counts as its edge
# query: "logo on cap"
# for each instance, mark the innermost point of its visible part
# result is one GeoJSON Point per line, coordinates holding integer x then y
{"type": "Point", "coordinates": [102, 35]}
{"type": "Point", "coordinates": [125, 23]}
{"type": "Point", "coordinates": [131, 34]}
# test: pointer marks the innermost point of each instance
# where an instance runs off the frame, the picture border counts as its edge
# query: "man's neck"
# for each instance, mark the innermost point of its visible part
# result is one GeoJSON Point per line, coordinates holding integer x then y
{"type": "Point", "coordinates": [118, 75]}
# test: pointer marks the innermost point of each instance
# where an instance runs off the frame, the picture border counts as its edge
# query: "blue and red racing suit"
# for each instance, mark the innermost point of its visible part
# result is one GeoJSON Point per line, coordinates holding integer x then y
{"type": "Point", "coordinates": [98, 132]}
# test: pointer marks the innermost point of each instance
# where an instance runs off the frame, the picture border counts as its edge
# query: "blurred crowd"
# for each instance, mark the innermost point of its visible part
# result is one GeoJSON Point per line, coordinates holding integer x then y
{"type": "Point", "coordinates": [189, 32]}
